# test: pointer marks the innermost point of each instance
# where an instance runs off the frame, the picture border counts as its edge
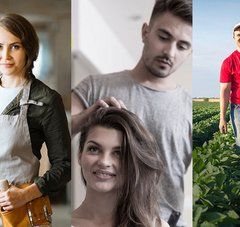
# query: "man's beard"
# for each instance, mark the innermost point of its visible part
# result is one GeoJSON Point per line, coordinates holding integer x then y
{"type": "Point", "coordinates": [151, 64]}
{"type": "Point", "coordinates": [157, 71]}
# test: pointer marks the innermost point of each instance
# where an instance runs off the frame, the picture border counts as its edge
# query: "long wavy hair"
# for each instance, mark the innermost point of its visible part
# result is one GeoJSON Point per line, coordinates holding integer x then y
{"type": "Point", "coordinates": [138, 198]}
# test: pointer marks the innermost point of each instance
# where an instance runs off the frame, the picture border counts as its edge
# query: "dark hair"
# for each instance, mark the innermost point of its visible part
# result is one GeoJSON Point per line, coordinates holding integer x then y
{"type": "Point", "coordinates": [23, 29]}
{"type": "Point", "coordinates": [179, 8]}
{"type": "Point", "coordinates": [236, 28]}
{"type": "Point", "coordinates": [141, 164]}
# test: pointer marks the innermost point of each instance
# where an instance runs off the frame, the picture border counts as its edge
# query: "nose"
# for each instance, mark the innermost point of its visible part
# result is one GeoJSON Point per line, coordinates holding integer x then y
{"type": "Point", "coordinates": [105, 160]}
{"type": "Point", "coordinates": [5, 53]}
{"type": "Point", "coordinates": [170, 49]}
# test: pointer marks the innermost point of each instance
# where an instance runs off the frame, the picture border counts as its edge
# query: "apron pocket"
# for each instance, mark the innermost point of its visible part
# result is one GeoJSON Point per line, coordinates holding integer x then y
{"type": "Point", "coordinates": [35, 213]}
{"type": "Point", "coordinates": [15, 218]}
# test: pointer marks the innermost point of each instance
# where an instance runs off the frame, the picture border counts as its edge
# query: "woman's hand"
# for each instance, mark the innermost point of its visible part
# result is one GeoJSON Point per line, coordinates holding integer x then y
{"type": "Point", "coordinates": [12, 198]}
{"type": "Point", "coordinates": [15, 197]}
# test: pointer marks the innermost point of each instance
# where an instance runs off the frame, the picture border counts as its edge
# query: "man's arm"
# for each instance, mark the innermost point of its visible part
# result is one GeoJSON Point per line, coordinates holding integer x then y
{"type": "Point", "coordinates": [225, 89]}
{"type": "Point", "coordinates": [80, 113]}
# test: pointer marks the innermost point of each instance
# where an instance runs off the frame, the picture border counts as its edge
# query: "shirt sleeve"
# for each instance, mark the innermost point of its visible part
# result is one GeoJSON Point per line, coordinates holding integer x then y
{"type": "Point", "coordinates": [57, 138]}
{"type": "Point", "coordinates": [225, 72]}
{"type": "Point", "coordinates": [84, 91]}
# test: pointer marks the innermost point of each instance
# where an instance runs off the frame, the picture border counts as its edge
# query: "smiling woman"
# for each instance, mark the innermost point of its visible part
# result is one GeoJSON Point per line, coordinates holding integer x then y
{"type": "Point", "coordinates": [30, 114]}
{"type": "Point", "coordinates": [102, 149]}
{"type": "Point", "coordinates": [121, 169]}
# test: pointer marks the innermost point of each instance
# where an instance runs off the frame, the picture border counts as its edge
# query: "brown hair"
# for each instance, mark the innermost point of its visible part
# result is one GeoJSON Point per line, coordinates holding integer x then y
{"type": "Point", "coordinates": [179, 8]}
{"type": "Point", "coordinates": [141, 164]}
{"type": "Point", "coordinates": [23, 29]}
{"type": "Point", "coordinates": [237, 27]}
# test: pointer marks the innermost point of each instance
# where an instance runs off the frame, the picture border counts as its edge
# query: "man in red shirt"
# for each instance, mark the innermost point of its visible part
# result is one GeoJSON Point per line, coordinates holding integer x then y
{"type": "Point", "coordinates": [230, 88]}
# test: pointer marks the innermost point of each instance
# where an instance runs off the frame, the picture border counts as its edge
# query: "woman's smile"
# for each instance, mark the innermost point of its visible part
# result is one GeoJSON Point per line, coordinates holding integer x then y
{"type": "Point", "coordinates": [6, 65]}
{"type": "Point", "coordinates": [104, 175]}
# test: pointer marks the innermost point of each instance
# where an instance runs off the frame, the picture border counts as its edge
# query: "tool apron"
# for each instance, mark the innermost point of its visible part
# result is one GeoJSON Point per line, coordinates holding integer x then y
{"type": "Point", "coordinates": [18, 164]}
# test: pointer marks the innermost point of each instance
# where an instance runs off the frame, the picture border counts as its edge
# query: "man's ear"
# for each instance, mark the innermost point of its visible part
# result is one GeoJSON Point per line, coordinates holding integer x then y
{"type": "Point", "coordinates": [145, 31]}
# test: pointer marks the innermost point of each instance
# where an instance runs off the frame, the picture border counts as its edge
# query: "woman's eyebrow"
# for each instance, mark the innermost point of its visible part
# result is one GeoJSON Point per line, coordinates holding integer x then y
{"type": "Point", "coordinates": [15, 43]}
{"type": "Point", "coordinates": [117, 148]}
{"type": "Point", "coordinates": [92, 141]}
{"type": "Point", "coordinates": [12, 43]}
{"type": "Point", "coordinates": [99, 145]}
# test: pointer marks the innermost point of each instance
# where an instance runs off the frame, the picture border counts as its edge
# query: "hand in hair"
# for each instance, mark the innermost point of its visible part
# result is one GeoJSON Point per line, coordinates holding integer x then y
{"type": "Point", "coordinates": [112, 101]}
{"type": "Point", "coordinates": [80, 114]}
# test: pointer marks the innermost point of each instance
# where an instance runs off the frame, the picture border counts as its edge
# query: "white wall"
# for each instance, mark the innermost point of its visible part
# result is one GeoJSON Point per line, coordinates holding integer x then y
{"type": "Point", "coordinates": [96, 40]}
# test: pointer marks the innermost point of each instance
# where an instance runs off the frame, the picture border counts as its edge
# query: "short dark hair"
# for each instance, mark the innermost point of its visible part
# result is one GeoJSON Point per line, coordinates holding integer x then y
{"type": "Point", "coordinates": [24, 30]}
{"type": "Point", "coordinates": [237, 28]}
{"type": "Point", "coordinates": [179, 8]}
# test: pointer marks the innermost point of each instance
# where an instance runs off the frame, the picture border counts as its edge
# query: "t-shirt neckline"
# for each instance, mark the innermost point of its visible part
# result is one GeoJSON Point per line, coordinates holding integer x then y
{"type": "Point", "coordinates": [148, 88]}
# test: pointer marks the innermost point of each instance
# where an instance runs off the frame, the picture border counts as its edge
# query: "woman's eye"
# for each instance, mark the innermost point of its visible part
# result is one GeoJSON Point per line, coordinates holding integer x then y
{"type": "Point", "coordinates": [117, 153]}
{"type": "Point", "coordinates": [93, 150]}
{"type": "Point", "coordinates": [15, 47]}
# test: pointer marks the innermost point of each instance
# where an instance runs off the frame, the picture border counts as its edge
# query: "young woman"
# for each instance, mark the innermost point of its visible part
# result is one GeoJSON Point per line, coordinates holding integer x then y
{"type": "Point", "coordinates": [121, 169]}
{"type": "Point", "coordinates": [30, 114]}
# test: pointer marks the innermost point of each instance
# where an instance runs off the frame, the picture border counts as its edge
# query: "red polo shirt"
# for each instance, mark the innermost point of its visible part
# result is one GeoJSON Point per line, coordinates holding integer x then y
{"type": "Point", "coordinates": [230, 72]}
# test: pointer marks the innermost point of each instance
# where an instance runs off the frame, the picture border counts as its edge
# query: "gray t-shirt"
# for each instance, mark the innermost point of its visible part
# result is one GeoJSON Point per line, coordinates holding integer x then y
{"type": "Point", "coordinates": [166, 114]}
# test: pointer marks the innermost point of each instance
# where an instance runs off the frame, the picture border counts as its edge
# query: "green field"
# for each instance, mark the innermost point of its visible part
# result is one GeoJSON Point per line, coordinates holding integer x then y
{"type": "Point", "coordinates": [216, 170]}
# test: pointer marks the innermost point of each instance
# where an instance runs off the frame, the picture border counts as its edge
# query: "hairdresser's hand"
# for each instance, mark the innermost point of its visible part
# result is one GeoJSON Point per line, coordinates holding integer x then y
{"type": "Point", "coordinates": [79, 119]}
{"type": "Point", "coordinates": [15, 197]}
{"type": "Point", "coordinates": [111, 101]}
{"type": "Point", "coordinates": [223, 126]}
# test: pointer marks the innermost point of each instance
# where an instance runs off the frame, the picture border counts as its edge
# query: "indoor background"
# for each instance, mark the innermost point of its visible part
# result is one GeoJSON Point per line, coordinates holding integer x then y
{"type": "Point", "coordinates": [106, 37]}
{"type": "Point", "coordinates": [52, 21]}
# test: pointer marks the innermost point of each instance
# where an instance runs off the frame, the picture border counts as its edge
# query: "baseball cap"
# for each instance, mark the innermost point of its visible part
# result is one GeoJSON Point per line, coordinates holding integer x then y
{"type": "Point", "coordinates": [236, 27]}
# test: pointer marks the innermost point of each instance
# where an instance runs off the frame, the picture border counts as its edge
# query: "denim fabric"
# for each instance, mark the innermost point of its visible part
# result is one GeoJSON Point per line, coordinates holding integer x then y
{"type": "Point", "coordinates": [235, 118]}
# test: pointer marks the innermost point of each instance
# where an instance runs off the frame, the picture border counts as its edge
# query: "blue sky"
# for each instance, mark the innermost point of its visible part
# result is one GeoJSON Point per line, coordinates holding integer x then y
{"type": "Point", "coordinates": [213, 21]}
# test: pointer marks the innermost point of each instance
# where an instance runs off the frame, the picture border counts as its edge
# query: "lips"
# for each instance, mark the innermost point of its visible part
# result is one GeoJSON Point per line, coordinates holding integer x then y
{"type": "Point", "coordinates": [6, 65]}
{"type": "Point", "coordinates": [103, 174]}
{"type": "Point", "coordinates": [164, 61]}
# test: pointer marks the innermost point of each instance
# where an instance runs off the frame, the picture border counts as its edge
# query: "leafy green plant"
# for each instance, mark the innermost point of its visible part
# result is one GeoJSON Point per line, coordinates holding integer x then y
{"type": "Point", "coordinates": [216, 183]}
